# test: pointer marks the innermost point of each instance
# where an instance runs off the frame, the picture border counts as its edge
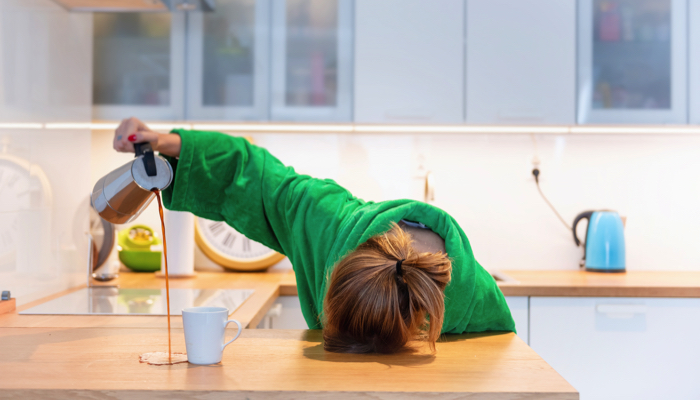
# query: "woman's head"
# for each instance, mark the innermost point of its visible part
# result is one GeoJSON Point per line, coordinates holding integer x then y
{"type": "Point", "coordinates": [373, 306]}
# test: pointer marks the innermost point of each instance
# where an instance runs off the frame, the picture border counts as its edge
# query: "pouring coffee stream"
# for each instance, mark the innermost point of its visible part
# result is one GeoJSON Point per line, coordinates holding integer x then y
{"type": "Point", "coordinates": [122, 195]}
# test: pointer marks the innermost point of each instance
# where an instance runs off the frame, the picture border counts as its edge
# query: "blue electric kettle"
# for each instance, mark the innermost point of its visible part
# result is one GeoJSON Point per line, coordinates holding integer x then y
{"type": "Point", "coordinates": [605, 241]}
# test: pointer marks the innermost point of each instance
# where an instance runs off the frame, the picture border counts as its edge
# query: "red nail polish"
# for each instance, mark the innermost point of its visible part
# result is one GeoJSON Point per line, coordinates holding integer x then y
{"type": "Point", "coordinates": [132, 138]}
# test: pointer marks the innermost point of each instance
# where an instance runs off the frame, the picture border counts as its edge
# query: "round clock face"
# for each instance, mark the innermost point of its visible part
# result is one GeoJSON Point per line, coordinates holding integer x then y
{"type": "Point", "coordinates": [232, 249]}
{"type": "Point", "coordinates": [15, 196]}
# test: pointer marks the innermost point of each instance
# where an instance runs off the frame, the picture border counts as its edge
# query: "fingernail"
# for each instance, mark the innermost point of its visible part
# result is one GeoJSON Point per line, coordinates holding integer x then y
{"type": "Point", "coordinates": [132, 138]}
{"type": "Point", "coordinates": [119, 137]}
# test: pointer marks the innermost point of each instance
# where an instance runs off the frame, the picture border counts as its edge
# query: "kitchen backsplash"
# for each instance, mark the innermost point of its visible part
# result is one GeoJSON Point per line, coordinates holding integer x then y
{"type": "Point", "coordinates": [485, 183]}
{"type": "Point", "coordinates": [45, 56]}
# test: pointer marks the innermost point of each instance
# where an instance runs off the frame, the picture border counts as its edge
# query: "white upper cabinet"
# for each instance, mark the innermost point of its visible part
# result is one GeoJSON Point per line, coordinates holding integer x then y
{"type": "Point", "coordinates": [45, 63]}
{"type": "Point", "coordinates": [694, 47]}
{"type": "Point", "coordinates": [409, 61]}
{"type": "Point", "coordinates": [138, 65]}
{"type": "Point", "coordinates": [632, 61]}
{"type": "Point", "coordinates": [228, 61]}
{"type": "Point", "coordinates": [311, 60]}
{"type": "Point", "coordinates": [521, 61]}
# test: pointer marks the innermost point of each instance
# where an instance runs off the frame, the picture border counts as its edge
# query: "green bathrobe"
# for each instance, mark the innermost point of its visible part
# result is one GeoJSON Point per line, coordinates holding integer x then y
{"type": "Point", "coordinates": [315, 222]}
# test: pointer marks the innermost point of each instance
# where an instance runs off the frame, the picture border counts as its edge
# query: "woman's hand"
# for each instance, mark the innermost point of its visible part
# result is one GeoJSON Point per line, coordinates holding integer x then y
{"type": "Point", "coordinates": [132, 130]}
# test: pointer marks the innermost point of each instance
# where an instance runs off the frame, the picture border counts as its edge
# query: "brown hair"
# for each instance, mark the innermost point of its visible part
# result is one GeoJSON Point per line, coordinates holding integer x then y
{"type": "Point", "coordinates": [374, 306]}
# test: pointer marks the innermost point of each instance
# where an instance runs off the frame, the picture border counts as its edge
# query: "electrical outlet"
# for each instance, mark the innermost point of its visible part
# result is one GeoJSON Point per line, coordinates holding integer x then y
{"type": "Point", "coordinates": [420, 157]}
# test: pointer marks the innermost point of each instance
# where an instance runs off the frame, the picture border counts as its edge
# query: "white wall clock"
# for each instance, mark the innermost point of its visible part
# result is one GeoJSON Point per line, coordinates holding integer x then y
{"type": "Point", "coordinates": [231, 249]}
{"type": "Point", "coordinates": [24, 188]}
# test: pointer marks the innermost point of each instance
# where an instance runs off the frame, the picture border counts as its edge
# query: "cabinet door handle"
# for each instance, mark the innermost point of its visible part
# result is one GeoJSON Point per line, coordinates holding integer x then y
{"type": "Point", "coordinates": [621, 309]}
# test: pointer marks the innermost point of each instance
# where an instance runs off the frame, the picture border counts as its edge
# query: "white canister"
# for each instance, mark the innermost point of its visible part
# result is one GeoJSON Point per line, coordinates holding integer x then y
{"type": "Point", "coordinates": [179, 233]}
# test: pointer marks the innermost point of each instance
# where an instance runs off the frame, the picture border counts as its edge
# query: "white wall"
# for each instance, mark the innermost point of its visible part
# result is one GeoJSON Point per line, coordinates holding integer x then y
{"type": "Point", "coordinates": [45, 75]}
{"type": "Point", "coordinates": [485, 182]}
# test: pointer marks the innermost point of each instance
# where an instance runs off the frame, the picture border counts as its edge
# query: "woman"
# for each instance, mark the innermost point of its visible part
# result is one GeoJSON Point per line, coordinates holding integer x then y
{"type": "Point", "coordinates": [374, 276]}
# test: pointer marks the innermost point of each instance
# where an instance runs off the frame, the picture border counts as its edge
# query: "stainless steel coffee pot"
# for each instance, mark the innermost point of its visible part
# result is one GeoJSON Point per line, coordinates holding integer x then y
{"type": "Point", "coordinates": [120, 196]}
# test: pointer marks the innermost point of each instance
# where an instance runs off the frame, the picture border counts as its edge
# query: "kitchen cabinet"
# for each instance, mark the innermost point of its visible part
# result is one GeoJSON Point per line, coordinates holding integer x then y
{"type": "Point", "coordinates": [620, 348]}
{"type": "Point", "coordinates": [228, 61]}
{"type": "Point", "coordinates": [520, 62]}
{"type": "Point", "coordinates": [694, 62]}
{"type": "Point", "coordinates": [138, 65]}
{"type": "Point", "coordinates": [409, 61]}
{"type": "Point", "coordinates": [632, 61]}
{"type": "Point", "coordinates": [520, 310]}
{"type": "Point", "coordinates": [44, 64]}
{"type": "Point", "coordinates": [311, 60]}
{"type": "Point", "coordinates": [247, 60]}
{"type": "Point", "coordinates": [284, 314]}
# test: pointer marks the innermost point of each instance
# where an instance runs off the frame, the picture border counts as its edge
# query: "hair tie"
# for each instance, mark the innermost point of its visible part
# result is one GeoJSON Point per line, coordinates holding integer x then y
{"type": "Point", "coordinates": [399, 271]}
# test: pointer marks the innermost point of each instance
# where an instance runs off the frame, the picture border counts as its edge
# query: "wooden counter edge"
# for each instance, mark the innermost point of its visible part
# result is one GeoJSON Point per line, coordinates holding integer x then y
{"type": "Point", "coordinates": [599, 291]}
{"type": "Point", "coordinates": [7, 306]}
{"type": "Point", "coordinates": [276, 395]}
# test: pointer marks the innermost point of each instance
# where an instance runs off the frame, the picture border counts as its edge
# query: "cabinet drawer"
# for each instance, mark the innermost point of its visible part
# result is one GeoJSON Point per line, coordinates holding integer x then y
{"type": "Point", "coordinates": [620, 348]}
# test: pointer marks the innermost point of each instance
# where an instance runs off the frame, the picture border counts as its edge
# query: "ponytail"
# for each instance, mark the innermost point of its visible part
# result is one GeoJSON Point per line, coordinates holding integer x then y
{"type": "Point", "coordinates": [384, 295]}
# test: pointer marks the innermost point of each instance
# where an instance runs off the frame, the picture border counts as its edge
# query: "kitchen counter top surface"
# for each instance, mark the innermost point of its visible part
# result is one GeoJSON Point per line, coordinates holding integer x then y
{"type": "Point", "coordinates": [579, 283]}
{"type": "Point", "coordinates": [576, 283]}
{"type": "Point", "coordinates": [96, 356]}
{"type": "Point", "coordinates": [275, 364]}
{"type": "Point", "coordinates": [268, 286]}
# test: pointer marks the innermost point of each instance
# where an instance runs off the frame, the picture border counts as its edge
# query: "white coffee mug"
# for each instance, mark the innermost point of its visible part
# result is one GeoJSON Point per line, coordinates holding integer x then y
{"type": "Point", "coordinates": [205, 328]}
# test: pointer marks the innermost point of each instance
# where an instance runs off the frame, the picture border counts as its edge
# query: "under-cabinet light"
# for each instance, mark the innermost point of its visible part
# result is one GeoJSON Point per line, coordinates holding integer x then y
{"type": "Point", "coordinates": [634, 129]}
{"type": "Point", "coordinates": [104, 126]}
{"type": "Point", "coordinates": [20, 125]}
{"type": "Point", "coordinates": [169, 127]}
{"type": "Point", "coordinates": [69, 125]}
{"type": "Point", "coordinates": [273, 127]}
{"type": "Point", "coordinates": [373, 128]}
{"type": "Point", "coordinates": [461, 129]}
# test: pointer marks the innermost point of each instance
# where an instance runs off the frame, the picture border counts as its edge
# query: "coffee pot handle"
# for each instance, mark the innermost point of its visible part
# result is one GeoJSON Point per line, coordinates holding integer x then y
{"type": "Point", "coordinates": [584, 215]}
{"type": "Point", "coordinates": [240, 329]}
{"type": "Point", "coordinates": [149, 162]}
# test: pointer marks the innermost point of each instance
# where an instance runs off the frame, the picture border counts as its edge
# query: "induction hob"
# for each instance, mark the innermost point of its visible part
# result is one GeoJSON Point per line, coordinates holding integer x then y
{"type": "Point", "coordinates": [116, 301]}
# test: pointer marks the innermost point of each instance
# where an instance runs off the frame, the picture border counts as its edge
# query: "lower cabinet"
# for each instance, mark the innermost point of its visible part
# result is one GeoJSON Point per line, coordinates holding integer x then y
{"type": "Point", "coordinates": [284, 314]}
{"type": "Point", "coordinates": [519, 309]}
{"type": "Point", "coordinates": [620, 348]}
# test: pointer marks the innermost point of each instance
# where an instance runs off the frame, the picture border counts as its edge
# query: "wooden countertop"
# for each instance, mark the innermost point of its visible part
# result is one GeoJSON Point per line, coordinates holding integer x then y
{"type": "Point", "coordinates": [268, 286]}
{"type": "Point", "coordinates": [600, 284]}
{"type": "Point", "coordinates": [103, 363]}
{"type": "Point", "coordinates": [577, 283]}
{"type": "Point", "coordinates": [70, 356]}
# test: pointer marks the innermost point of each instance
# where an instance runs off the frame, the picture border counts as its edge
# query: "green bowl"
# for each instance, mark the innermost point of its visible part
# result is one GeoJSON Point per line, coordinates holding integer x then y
{"type": "Point", "coordinates": [141, 261]}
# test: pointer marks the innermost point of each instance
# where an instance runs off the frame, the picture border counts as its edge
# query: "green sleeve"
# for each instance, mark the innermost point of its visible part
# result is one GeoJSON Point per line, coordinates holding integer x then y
{"type": "Point", "coordinates": [490, 311]}
{"type": "Point", "coordinates": [225, 178]}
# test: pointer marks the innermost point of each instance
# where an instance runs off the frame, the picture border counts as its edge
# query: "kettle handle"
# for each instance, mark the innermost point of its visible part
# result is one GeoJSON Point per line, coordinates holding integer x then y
{"type": "Point", "coordinates": [584, 215]}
